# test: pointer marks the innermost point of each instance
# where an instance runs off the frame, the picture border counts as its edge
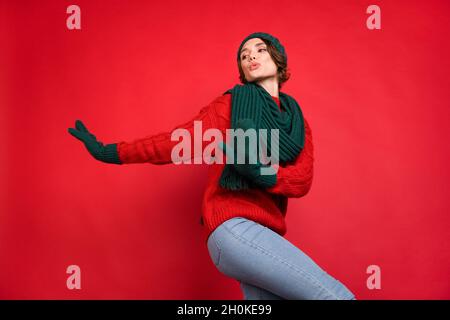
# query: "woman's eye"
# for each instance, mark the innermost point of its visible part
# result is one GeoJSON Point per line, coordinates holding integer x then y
{"type": "Point", "coordinates": [259, 50]}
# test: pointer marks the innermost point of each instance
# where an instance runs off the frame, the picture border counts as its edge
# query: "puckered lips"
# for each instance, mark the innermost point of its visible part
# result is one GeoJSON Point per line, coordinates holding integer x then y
{"type": "Point", "coordinates": [254, 66]}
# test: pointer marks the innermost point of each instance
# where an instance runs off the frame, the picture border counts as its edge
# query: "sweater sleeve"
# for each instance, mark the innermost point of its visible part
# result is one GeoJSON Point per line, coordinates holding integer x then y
{"type": "Point", "coordinates": [157, 148]}
{"type": "Point", "coordinates": [295, 178]}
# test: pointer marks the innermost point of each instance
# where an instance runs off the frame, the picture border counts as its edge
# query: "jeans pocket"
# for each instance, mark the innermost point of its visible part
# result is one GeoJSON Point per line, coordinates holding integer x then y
{"type": "Point", "coordinates": [214, 250]}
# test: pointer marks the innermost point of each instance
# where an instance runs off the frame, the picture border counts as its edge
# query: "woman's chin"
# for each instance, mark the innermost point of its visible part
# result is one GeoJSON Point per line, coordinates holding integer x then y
{"type": "Point", "coordinates": [253, 78]}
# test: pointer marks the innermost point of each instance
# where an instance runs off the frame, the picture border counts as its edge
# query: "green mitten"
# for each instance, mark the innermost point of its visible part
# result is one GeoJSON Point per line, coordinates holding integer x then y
{"type": "Point", "coordinates": [252, 171]}
{"type": "Point", "coordinates": [105, 153]}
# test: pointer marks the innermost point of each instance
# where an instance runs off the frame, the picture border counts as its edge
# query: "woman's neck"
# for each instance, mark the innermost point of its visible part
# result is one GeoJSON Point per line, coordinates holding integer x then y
{"type": "Point", "coordinates": [271, 86]}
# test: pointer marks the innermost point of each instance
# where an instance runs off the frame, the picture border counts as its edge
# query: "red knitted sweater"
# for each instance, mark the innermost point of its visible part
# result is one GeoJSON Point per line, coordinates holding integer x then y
{"type": "Point", "coordinates": [265, 206]}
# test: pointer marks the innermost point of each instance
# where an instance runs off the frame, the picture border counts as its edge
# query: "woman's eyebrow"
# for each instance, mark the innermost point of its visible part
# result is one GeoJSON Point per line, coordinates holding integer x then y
{"type": "Point", "coordinates": [258, 44]}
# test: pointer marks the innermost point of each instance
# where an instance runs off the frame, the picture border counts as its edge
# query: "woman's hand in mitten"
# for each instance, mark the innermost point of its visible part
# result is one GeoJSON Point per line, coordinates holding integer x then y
{"type": "Point", "coordinates": [252, 171]}
{"type": "Point", "coordinates": [105, 153]}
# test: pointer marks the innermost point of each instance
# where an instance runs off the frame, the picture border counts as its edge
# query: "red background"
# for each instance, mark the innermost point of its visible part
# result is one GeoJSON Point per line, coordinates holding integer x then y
{"type": "Point", "coordinates": [377, 102]}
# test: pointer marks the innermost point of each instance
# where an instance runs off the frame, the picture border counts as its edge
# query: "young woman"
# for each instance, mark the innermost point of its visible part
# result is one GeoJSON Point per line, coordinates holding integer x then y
{"type": "Point", "coordinates": [243, 210]}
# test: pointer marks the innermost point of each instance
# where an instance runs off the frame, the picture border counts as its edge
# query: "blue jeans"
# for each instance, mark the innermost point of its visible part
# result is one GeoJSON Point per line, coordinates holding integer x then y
{"type": "Point", "coordinates": [269, 267]}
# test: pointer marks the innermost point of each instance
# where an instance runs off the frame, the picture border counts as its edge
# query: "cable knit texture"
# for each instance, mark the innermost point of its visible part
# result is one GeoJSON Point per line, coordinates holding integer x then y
{"type": "Point", "coordinates": [265, 206]}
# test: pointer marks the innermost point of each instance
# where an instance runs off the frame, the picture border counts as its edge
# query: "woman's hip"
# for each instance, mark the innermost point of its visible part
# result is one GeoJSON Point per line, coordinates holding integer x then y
{"type": "Point", "coordinates": [252, 253]}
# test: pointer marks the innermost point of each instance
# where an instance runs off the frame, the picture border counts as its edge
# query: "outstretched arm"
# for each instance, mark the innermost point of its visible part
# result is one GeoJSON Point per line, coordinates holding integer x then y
{"type": "Point", "coordinates": [157, 148]}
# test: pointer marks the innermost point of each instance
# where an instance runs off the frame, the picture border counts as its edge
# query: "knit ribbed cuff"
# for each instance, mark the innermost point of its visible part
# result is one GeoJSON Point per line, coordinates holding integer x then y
{"type": "Point", "coordinates": [110, 154]}
{"type": "Point", "coordinates": [266, 181]}
{"type": "Point", "coordinates": [253, 173]}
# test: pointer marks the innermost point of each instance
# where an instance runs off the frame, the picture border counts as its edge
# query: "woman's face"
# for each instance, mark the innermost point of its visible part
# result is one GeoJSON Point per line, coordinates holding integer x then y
{"type": "Point", "coordinates": [256, 61]}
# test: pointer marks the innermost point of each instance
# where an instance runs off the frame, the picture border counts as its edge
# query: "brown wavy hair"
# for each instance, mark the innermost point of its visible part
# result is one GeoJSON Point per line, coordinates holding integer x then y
{"type": "Point", "coordinates": [281, 63]}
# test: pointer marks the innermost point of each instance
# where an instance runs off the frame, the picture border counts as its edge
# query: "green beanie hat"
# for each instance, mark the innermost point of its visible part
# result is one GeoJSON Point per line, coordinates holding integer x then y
{"type": "Point", "coordinates": [264, 36]}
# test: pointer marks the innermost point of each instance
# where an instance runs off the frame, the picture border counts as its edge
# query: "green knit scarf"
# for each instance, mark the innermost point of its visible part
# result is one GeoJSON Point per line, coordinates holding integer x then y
{"type": "Point", "coordinates": [252, 101]}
